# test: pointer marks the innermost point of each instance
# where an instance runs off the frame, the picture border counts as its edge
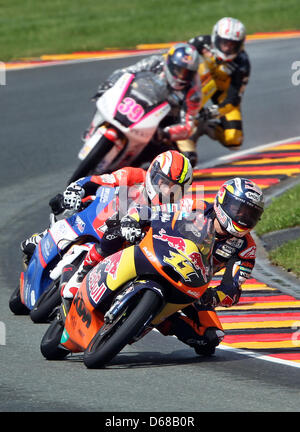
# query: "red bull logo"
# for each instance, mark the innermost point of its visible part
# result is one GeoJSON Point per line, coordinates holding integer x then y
{"type": "Point", "coordinates": [112, 264]}
{"type": "Point", "coordinates": [197, 262]}
{"type": "Point", "coordinates": [174, 242]}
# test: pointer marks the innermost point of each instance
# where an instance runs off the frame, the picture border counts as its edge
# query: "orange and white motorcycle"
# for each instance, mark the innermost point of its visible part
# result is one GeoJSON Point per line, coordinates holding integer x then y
{"type": "Point", "coordinates": [132, 291]}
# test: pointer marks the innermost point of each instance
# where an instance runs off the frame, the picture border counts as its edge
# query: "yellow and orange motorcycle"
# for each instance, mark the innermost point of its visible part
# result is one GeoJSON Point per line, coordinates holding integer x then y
{"type": "Point", "coordinates": [130, 292]}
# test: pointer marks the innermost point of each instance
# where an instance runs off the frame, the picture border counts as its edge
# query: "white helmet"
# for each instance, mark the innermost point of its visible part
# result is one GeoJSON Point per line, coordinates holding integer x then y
{"type": "Point", "coordinates": [228, 37]}
{"type": "Point", "coordinates": [168, 177]}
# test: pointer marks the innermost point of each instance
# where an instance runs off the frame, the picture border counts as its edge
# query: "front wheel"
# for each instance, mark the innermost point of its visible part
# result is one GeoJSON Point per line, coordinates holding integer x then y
{"type": "Point", "coordinates": [50, 344]}
{"type": "Point", "coordinates": [49, 300]}
{"type": "Point", "coordinates": [90, 162]}
{"type": "Point", "coordinates": [15, 303]}
{"type": "Point", "coordinates": [106, 344]}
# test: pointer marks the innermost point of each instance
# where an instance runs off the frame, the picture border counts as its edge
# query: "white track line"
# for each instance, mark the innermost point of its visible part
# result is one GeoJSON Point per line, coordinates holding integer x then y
{"type": "Point", "coordinates": [259, 356]}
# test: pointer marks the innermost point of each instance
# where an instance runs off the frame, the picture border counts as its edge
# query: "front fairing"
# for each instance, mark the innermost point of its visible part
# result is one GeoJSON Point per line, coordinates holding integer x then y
{"type": "Point", "coordinates": [180, 252]}
{"type": "Point", "coordinates": [135, 105]}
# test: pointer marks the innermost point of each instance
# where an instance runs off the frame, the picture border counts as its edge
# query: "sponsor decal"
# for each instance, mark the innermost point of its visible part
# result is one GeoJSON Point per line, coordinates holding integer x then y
{"type": "Point", "coordinates": [253, 196]}
{"type": "Point", "coordinates": [97, 292]}
{"type": "Point", "coordinates": [112, 264]}
{"type": "Point", "coordinates": [79, 224]}
{"type": "Point", "coordinates": [221, 215]}
{"type": "Point", "coordinates": [104, 194]}
{"type": "Point", "coordinates": [235, 242]}
{"type": "Point", "coordinates": [83, 313]}
{"type": "Point", "coordinates": [180, 264]}
{"type": "Point", "coordinates": [46, 247]}
{"type": "Point", "coordinates": [174, 242]}
{"type": "Point", "coordinates": [108, 178]}
{"type": "Point", "coordinates": [197, 261]}
{"type": "Point", "coordinates": [62, 233]}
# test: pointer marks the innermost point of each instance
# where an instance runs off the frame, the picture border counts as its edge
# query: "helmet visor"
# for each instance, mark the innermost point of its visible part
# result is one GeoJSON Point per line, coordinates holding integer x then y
{"type": "Point", "coordinates": [243, 213]}
{"type": "Point", "coordinates": [228, 46]}
{"type": "Point", "coordinates": [181, 73]}
{"type": "Point", "coordinates": [167, 190]}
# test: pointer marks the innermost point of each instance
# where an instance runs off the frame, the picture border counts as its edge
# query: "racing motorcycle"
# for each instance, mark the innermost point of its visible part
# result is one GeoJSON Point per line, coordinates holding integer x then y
{"type": "Point", "coordinates": [127, 117]}
{"type": "Point", "coordinates": [127, 121]}
{"type": "Point", "coordinates": [63, 247]}
{"type": "Point", "coordinates": [132, 291]}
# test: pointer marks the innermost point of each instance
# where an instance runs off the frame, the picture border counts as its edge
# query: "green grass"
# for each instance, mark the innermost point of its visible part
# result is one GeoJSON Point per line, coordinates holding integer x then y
{"type": "Point", "coordinates": [35, 27]}
{"type": "Point", "coordinates": [287, 256]}
{"type": "Point", "coordinates": [283, 212]}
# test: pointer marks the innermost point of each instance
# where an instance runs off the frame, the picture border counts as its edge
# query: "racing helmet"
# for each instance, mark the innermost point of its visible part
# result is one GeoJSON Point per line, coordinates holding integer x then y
{"type": "Point", "coordinates": [227, 38]}
{"type": "Point", "coordinates": [181, 65]}
{"type": "Point", "coordinates": [239, 205]}
{"type": "Point", "coordinates": [167, 177]}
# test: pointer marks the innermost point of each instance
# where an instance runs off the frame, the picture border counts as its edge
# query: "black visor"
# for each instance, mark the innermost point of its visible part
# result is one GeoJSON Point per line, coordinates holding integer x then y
{"type": "Point", "coordinates": [242, 212]}
{"type": "Point", "coordinates": [181, 73]}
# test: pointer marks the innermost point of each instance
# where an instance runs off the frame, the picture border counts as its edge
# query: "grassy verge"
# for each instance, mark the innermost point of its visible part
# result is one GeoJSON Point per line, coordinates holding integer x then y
{"type": "Point", "coordinates": [35, 27]}
{"type": "Point", "coordinates": [283, 212]}
{"type": "Point", "coordinates": [287, 256]}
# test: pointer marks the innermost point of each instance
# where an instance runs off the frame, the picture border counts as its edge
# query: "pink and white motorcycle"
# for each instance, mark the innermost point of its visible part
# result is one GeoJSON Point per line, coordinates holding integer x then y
{"type": "Point", "coordinates": [127, 117]}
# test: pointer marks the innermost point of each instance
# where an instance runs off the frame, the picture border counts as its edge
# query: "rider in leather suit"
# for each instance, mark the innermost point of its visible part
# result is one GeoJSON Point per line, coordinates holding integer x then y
{"type": "Point", "coordinates": [224, 56]}
{"type": "Point", "coordinates": [178, 68]}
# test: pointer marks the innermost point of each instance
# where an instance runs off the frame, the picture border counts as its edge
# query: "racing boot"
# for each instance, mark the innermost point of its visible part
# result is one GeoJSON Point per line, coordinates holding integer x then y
{"type": "Point", "coordinates": [28, 246]}
{"type": "Point", "coordinates": [203, 340]}
{"type": "Point", "coordinates": [93, 257]}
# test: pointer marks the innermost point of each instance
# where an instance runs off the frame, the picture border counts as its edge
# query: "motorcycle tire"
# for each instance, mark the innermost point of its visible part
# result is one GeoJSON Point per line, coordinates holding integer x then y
{"type": "Point", "coordinates": [89, 164]}
{"type": "Point", "coordinates": [16, 305]}
{"type": "Point", "coordinates": [45, 304]}
{"type": "Point", "coordinates": [103, 348]}
{"type": "Point", "coordinates": [50, 344]}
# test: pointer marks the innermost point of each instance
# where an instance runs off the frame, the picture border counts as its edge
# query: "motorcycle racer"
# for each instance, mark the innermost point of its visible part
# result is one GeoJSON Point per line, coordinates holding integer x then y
{"type": "Point", "coordinates": [178, 68]}
{"type": "Point", "coordinates": [237, 208]}
{"type": "Point", "coordinates": [225, 57]}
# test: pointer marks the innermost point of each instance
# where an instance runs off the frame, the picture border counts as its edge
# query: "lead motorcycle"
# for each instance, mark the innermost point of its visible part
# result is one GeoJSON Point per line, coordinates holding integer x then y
{"type": "Point", "coordinates": [127, 122]}
{"type": "Point", "coordinates": [63, 247]}
{"type": "Point", "coordinates": [132, 291]}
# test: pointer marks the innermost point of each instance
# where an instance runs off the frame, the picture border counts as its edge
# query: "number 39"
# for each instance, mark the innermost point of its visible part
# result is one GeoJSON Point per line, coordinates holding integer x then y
{"type": "Point", "coordinates": [133, 111]}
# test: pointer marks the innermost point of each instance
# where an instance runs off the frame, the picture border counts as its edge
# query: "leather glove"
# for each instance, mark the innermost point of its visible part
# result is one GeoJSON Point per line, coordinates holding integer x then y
{"type": "Point", "coordinates": [57, 204]}
{"type": "Point", "coordinates": [130, 228]}
{"type": "Point", "coordinates": [177, 132]}
{"type": "Point", "coordinates": [209, 113]}
{"type": "Point", "coordinates": [72, 197]}
{"type": "Point", "coordinates": [210, 298]}
{"type": "Point", "coordinates": [221, 295]}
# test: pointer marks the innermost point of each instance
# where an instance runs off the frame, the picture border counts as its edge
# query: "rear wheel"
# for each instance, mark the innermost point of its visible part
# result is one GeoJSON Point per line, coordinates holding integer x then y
{"type": "Point", "coordinates": [50, 344]}
{"type": "Point", "coordinates": [16, 305]}
{"type": "Point", "coordinates": [45, 304]}
{"type": "Point", "coordinates": [90, 162]}
{"type": "Point", "coordinates": [112, 338]}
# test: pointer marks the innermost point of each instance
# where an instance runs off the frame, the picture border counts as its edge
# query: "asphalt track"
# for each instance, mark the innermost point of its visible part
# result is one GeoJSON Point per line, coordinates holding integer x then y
{"type": "Point", "coordinates": [43, 113]}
